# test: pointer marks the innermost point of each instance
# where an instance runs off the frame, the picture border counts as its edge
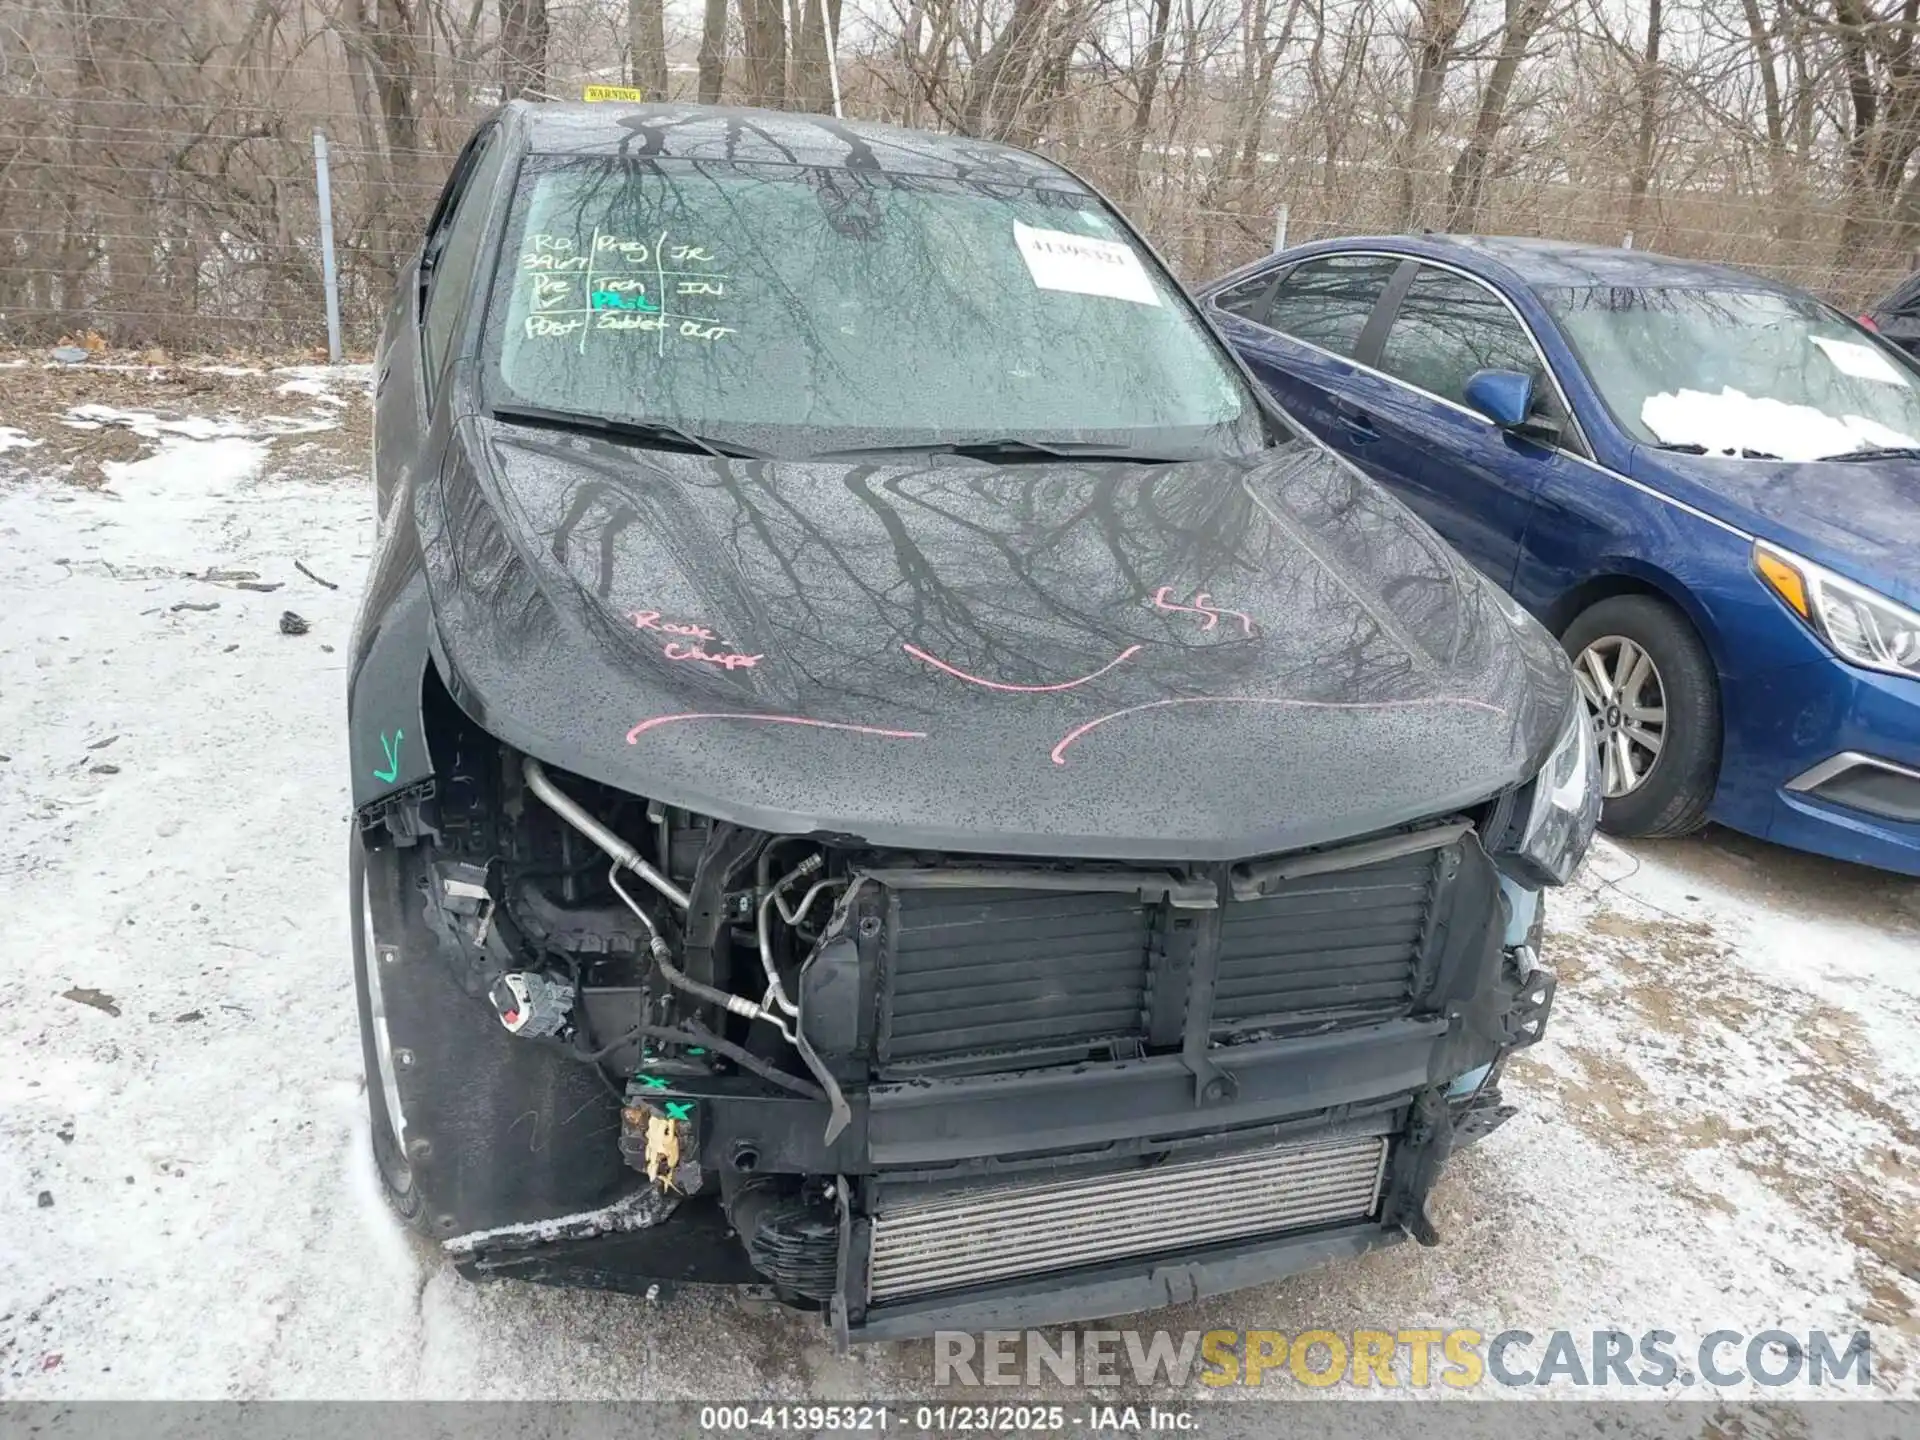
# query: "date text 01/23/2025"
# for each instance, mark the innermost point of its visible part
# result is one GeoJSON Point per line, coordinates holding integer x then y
{"type": "Point", "coordinates": [945, 1419]}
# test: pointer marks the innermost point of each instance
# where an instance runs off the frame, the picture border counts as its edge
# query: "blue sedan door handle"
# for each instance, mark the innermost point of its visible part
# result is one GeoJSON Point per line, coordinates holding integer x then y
{"type": "Point", "coordinates": [1356, 422]}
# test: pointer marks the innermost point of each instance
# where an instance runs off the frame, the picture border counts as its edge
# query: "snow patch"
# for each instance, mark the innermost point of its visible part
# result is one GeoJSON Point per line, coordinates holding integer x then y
{"type": "Point", "coordinates": [358, 376]}
{"type": "Point", "coordinates": [188, 468]}
{"type": "Point", "coordinates": [149, 426]}
{"type": "Point", "coordinates": [12, 439]}
{"type": "Point", "coordinates": [317, 389]}
{"type": "Point", "coordinates": [321, 381]}
{"type": "Point", "coordinates": [1733, 421]}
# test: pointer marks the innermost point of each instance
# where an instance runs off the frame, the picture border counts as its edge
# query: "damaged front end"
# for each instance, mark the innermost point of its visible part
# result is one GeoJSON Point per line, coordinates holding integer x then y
{"type": "Point", "coordinates": [625, 1045]}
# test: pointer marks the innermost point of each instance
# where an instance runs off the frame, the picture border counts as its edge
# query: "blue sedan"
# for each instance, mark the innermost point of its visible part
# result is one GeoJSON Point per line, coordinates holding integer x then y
{"type": "Point", "coordinates": [1706, 484]}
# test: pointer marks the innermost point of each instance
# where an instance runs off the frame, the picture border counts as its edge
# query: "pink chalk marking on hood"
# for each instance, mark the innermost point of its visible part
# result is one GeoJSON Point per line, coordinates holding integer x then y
{"type": "Point", "coordinates": [1060, 750]}
{"type": "Point", "coordinates": [633, 735]}
{"type": "Point", "coordinates": [1202, 605]}
{"type": "Point", "coordinates": [959, 674]}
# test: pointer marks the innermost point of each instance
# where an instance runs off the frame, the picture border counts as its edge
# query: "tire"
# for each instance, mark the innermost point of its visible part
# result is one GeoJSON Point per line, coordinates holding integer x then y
{"type": "Point", "coordinates": [1668, 795]}
{"type": "Point", "coordinates": [396, 1176]}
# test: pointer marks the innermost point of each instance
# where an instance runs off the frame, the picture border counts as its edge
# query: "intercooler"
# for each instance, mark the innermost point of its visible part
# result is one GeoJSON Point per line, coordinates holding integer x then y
{"type": "Point", "coordinates": [975, 1237]}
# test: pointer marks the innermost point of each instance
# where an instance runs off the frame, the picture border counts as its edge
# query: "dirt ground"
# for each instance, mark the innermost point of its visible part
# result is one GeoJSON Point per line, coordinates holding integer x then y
{"type": "Point", "coordinates": [37, 400]}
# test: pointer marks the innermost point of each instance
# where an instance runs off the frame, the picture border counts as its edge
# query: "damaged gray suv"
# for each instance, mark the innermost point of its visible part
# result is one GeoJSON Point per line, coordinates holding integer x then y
{"type": "Point", "coordinates": [886, 773]}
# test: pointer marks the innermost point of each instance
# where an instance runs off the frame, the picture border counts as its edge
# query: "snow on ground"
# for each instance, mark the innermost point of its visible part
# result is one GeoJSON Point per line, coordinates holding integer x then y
{"type": "Point", "coordinates": [1717, 1133]}
{"type": "Point", "coordinates": [149, 426]}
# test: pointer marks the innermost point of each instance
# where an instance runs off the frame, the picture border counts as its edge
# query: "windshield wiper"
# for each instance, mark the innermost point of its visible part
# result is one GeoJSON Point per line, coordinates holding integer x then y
{"type": "Point", "coordinates": [1688, 447]}
{"type": "Point", "coordinates": [1878, 452]}
{"type": "Point", "coordinates": [1007, 449]}
{"type": "Point", "coordinates": [648, 432]}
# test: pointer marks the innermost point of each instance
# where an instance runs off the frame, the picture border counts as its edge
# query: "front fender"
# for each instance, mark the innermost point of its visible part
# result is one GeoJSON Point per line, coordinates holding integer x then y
{"type": "Point", "coordinates": [1678, 594]}
{"type": "Point", "coordinates": [392, 640]}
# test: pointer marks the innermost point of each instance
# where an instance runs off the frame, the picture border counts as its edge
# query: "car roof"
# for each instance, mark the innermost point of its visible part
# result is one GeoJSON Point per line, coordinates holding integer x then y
{"type": "Point", "coordinates": [1530, 262]}
{"type": "Point", "coordinates": [775, 137]}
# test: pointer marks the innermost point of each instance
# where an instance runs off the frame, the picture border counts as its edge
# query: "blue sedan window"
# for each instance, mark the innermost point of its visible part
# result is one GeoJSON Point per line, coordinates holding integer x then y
{"type": "Point", "coordinates": [1326, 302]}
{"type": "Point", "coordinates": [1446, 328]}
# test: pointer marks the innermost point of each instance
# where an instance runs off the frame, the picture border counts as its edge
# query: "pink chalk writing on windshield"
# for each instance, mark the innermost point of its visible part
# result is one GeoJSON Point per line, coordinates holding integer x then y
{"type": "Point", "coordinates": [919, 654]}
{"type": "Point", "coordinates": [1060, 750]}
{"type": "Point", "coordinates": [727, 659]}
{"type": "Point", "coordinates": [650, 620]}
{"type": "Point", "coordinates": [1202, 605]}
{"type": "Point", "coordinates": [633, 735]}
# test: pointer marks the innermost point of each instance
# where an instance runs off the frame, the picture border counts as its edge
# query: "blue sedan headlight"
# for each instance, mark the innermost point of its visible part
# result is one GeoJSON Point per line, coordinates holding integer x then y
{"type": "Point", "coordinates": [1863, 627]}
{"type": "Point", "coordinates": [1563, 807]}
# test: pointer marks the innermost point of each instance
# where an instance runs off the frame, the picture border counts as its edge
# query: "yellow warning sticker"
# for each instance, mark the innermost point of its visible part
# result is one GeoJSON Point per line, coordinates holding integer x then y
{"type": "Point", "coordinates": [612, 92]}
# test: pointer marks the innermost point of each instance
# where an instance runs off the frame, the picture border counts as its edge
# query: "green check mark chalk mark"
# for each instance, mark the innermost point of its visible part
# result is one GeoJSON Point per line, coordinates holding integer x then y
{"type": "Point", "coordinates": [393, 756]}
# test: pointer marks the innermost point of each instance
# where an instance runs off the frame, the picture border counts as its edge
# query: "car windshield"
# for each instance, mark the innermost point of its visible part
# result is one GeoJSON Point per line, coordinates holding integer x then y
{"type": "Point", "coordinates": [800, 311]}
{"type": "Point", "coordinates": [1732, 372]}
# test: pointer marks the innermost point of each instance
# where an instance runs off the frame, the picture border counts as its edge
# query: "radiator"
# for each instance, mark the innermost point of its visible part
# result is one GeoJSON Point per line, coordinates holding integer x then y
{"type": "Point", "coordinates": [996, 970]}
{"type": "Point", "coordinates": [1347, 941]}
{"type": "Point", "coordinates": [977, 1237]}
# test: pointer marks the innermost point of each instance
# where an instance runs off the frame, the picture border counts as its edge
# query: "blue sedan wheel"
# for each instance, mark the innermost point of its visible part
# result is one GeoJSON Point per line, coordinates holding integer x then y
{"type": "Point", "coordinates": [1651, 691]}
{"type": "Point", "coordinates": [1629, 708]}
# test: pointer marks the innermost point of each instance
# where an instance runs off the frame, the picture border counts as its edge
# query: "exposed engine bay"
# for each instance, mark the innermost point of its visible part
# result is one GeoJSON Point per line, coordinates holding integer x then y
{"type": "Point", "coordinates": [900, 1079]}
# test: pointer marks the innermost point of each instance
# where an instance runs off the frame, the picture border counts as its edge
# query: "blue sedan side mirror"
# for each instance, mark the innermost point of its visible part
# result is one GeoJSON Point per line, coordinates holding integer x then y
{"type": "Point", "coordinates": [1504, 396]}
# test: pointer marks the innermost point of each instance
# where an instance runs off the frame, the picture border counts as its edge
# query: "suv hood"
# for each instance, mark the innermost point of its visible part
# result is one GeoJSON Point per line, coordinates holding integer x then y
{"type": "Point", "coordinates": [1859, 518]}
{"type": "Point", "coordinates": [1196, 661]}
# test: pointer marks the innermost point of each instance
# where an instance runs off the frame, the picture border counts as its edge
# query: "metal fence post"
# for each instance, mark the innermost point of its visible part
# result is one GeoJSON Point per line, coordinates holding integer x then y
{"type": "Point", "coordinates": [323, 184]}
{"type": "Point", "coordinates": [833, 58]}
{"type": "Point", "coordinates": [1280, 227]}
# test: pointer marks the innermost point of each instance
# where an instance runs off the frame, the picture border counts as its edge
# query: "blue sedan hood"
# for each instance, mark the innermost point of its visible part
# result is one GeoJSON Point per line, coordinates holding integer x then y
{"type": "Point", "coordinates": [1859, 518]}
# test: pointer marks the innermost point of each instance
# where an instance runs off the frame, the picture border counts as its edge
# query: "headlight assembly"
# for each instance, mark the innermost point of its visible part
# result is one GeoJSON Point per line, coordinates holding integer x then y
{"type": "Point", "coordinates": [1864, 628]}
{"type": "Point", "coordinates": [1563, 806]}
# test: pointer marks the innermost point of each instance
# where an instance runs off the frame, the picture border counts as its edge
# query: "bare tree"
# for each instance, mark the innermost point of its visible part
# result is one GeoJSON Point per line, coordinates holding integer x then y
{"type": "Point", "coordinates": [1430, 41]}
{"type": "Point", "coordinates": [994, 87]}
{"type": "Point", "coordinates": [157, 162]}
{"type": "Point", "coordinates": [523, 48]}
{"type": "Point", "coordinates": [1647, 102]}
{"type": "Point", "coordinates": [1148, 86]}
{"type": "Point", "coordinates": [1523, 21]}
{"type": "Point", "coordinates": [647, 47]}
{"type": "Point", "coordinates": [812, 86]}
{"type": "Point", "coordinates": [763, 24]}
{"type": "Point", "coordinates": [713, 51]}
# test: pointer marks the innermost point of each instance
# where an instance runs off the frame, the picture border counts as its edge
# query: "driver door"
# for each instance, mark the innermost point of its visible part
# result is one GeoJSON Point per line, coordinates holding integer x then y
{"type": "Point", "coordinates": [1470, 480]}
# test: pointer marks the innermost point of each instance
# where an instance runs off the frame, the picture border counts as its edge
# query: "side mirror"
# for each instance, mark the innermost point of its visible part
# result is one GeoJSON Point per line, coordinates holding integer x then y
{"type": "Point", "coordinates": [1504, 396]}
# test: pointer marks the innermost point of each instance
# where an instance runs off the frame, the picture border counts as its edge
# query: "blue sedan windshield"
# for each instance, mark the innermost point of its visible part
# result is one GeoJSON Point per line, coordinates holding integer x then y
{"type": "Point", "coordinates": [1733, 372]}
{"type": "Point", "coordinates": [805, 309]}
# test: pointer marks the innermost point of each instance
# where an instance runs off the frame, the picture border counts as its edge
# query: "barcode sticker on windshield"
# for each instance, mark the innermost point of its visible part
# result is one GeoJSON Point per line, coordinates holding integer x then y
{"type": "Point", "coordinates": [1863, 362]}
{"type": "Point", "coordinates": [1083, 265]}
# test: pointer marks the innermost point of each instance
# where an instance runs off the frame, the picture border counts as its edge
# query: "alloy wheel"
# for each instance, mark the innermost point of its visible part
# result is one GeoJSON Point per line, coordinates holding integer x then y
{"type": "Point", "coordinates": [1628, 704]}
